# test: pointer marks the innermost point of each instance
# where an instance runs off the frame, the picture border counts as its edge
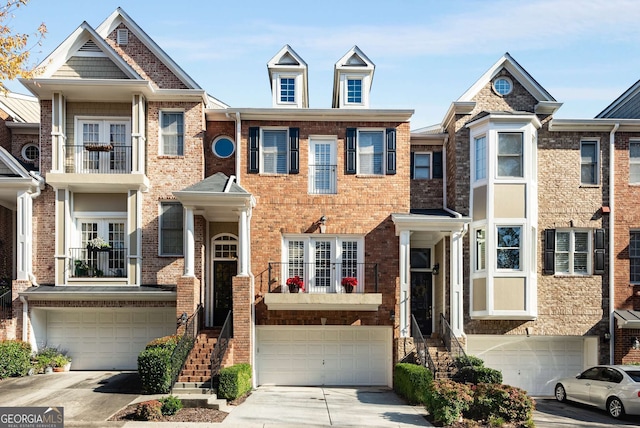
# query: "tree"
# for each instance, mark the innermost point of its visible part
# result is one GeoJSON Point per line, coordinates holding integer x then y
{"type": "Point", "coordinates": [14, 47]}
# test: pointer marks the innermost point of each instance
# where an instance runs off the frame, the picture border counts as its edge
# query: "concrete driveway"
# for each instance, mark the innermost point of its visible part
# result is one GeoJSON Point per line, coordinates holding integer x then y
{"type": "Point", "coordinates": [550, 413]}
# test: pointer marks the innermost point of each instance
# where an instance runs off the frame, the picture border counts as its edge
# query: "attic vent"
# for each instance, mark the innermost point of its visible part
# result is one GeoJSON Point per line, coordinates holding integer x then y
{"type": "Point", "coordinates": [122, 37]}
{"type": "Point", "coordinates": [355, 60]}
{"type": "Point", "coordinates": [90, 46]}
{"type": "Point", "coordinates": [287, 59]}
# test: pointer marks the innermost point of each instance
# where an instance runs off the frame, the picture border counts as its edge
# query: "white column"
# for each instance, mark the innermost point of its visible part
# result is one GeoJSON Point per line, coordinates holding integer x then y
{"type": "Point", "coordinates": [243, 237]}
{"type": "Point", "coordinates": [456, 283]}
{"type": "Point", "coordinates": [405, 260]}
{"type": "Point", "coordinates": [24, 236]}
{"type": "Point", "coordinates": [189, 243]}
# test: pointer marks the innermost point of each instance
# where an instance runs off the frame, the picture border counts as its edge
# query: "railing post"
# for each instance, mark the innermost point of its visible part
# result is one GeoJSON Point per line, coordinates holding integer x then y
{"type": "Point", "coordinates": [375, 270]}
{"type": "Point", "coordinates": [269, 269]}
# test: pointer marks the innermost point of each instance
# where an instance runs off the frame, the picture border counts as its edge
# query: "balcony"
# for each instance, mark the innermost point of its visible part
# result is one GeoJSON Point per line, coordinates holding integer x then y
{"type": "Point", "coordinates": [106, 263]}
{"type": "Point", "coordinates": [97, 158]}
{"type": "Point", "coordinates": [323, 289]}
{"type": "Point", "coordinates": [322, 179]}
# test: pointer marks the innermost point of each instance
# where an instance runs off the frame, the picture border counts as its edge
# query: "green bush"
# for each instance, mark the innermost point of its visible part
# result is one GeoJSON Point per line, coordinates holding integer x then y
{"type": "Point", "coordinates": [494, 402]}
{"type": "Point", "coordinates": [154, 368]}
{"type": "Point", "coordinates": [49, 356]}
{"type": "Point", "coordinates": [149, 410]}
{"type": "Point", "coordinates": [476, 375]}
{"type": "Point", "coordinates": [411, 382]}
{"type": "Point", "coordinates": [235, 381]}
{"type": "Point", "coordinates": [164, 342]}
{"type": "Point", "coordinates": [468, 361]}
{"type": "Point", "coordinates": [447, 400]}
{"type": "Point", "coordinates": [15, 358]}
{"type": "Point", "coordinates": [170, 405]}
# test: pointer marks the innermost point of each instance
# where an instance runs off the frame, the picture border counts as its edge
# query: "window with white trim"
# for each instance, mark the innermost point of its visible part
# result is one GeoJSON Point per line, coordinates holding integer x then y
{"type": "Point", "coordinates": [481, 250]}
{"type": "Point", "coordinates": [287, 90]}
{"type": "Point", "coordinates": [421, 166]}
{"type": "Point", "coordinates": [354, 91]}
{"type": "Point", "coordinates": [589, 162]}
{"type": "Point", "coordinates": [634, 161]}
{"type": "Point", "coordinates": [509, 247]}
{"type": "Point", "coordinates": [31, 152]}
{"type": "Point", "coordinates": [322, 165]}
{"type": "Point", "coordinates": [634, 256]}
{"type": "Point", "coordinates": [171, 229]}
{"type": "Point", "coordinates": [480, 151]}
{"type": "Point", "coordinates": [573, 249]}
{"type": "Point", "coordinates": [510, 151]}
{"type": "Point", "coordinates": [274, 151]}
{"type": "Point", "coordinates": [172, 133]}
{"type": "Point", "coordinates": [371, 152]}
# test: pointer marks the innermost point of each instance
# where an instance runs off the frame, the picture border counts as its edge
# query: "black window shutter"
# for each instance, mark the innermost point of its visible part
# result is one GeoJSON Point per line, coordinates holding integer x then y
{"type": "Point", "coordinates": [350, 151]}
{"type": "Point", "coordinates": [549, 252]}
{"type": "Point", "coordinates": [294, 150]}
{"type": "Point", "coordinates": [437, 164]}
{"type": "Point", "coordinates": [598, 262]}
{"type": "Point", "coordinates": [391, 151]}
{"type": "Point", "coordinates": [254, 150]}
{"type": "Point", "coordinates": [413, 162]}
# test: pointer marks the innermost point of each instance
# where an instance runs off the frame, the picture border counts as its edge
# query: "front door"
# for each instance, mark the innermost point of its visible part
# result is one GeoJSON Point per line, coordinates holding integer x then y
{"type": "Point", "coordinates": [422, 301]}
{"type": "Point", "coordinates": [223, 273]}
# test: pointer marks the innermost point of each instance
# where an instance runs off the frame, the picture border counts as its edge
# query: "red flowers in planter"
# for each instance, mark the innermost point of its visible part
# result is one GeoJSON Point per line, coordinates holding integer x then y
{"type": "Point", "coordinates": [349, 282]}
{"type": "Point", "coordinates": [295, 284]}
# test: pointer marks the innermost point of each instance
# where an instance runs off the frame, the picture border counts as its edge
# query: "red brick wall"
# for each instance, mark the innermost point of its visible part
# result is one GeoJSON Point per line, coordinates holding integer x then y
{"type": "Point", "coordinates": [242, 298]}
{"type": "Point", "coordinates": [426, 194]}
{"type": "Point", "coordinates": [213, 163]}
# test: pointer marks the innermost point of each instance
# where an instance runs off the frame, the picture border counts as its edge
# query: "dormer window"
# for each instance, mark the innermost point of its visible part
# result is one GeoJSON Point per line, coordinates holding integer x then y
{"type": "Point", "coordinates": [353, 74]}
{"type": "Point", "coordinates": [288, 76]}
{"type": "Point", "coordinates": [287, 90]}
{"type": "Point", "coordinates": [354, 91]}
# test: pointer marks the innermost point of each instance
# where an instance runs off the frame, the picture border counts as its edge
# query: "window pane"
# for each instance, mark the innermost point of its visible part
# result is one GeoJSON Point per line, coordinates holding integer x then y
{"type": "Point", "coordinates": [508, 252]}
{"type": "Point", "coordinates": [287, 90]}
{"type": "Point", "coordinates": [562, 241]}
{"type": "Point", "coordinates": [370, 151]}
{"type": "Point", "coordinates": [481, 249]}
{"type": "Point", "coordinates": [634, 162]}
{"type": "Point", "coordinates": [323, 264]}
{"type": "Point", "coordinates": [349, 259]}
{"type": "Point", "coordinates": [421, 166]}
{"type": "Point", "coordinates": [562, 262]}
{"type": "Point", "coordinates": [588, 162]}
{"type": "Point", "coordinates": [274, 152]}
{"type": "Point", "coordinates": [634, 256]}
{"type": "Point", "coordinates": [171, 229]}
{"type": "Point", "coordinates": [296, 259]}
{"type": "Point", "coordinates": [173, 133]}
{"type": "Point", "coordinates": [481, 158]}
{"type": "Point", "coordinates": [354, 91]}
{"type": "Point", "coordinates": [581, 241]}
{"type": "Point", "coordinates": [510, 155]}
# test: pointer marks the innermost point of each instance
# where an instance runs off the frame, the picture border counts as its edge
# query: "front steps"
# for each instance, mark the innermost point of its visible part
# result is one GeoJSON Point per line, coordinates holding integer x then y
{"type": "Point", "coordinates": [197, 368]}
{"type": "Point", "coordinates": [445, 366]}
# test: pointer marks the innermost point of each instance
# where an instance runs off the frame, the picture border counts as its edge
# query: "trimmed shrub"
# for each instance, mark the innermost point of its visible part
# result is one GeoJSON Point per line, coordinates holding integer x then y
{"type": "Point", "coordinates": [476, 375]}
{"type": "Point", "coordinates": [170, 405]}
{"type": "Point", "coordinates": [235, 381]}
{"type": "Point", "coordinates": [15, 358]}
{"type": "Point", "coordinates": [154, 365]}
{"type": "Point", "coordinates": [163, 342]}
{"type": "Point", "coordinates": [469, 361]}
{"type": "Point", "coordinates": [493, 402]}
{"type": "Point", "coordinates": [149, 410]}
{"type": "Point", "coordinates": [412, 381]}
{"type": "Point", "coordinates": [447, 401]}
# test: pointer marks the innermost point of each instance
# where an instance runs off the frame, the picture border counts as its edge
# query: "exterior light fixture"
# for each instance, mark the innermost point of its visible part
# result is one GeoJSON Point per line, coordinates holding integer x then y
{"type": "Point", "coordinates": [322, 223]}
{"type": "Point", "coordinates": [635, 344]}
{"type": "Point", "coordinates": [435, 269]}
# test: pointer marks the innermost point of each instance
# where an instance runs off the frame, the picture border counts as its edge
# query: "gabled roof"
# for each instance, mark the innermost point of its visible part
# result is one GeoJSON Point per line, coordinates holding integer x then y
{"type": "Point", "coordinates": [626, 106]}
{"type": "Point", "coordinates": [217, 183]}
{"type": "Point", "coordinates": [118, 17]}
{"type": "Point", "coordinates": [353, 61]}
{"type": "Point", "coordinates": [21, 108]}
{"type": "Point", "coordinates": [287, 60]}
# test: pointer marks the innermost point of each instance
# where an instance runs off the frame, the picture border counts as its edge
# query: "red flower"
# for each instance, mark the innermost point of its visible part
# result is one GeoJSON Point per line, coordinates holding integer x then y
{"type": "Point", "coordinates": [350, 280]}
{"type": "Point", "coordinates": [296, 281]}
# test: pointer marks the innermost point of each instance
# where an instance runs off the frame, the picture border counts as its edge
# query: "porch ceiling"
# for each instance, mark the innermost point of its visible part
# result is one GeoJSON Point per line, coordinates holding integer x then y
{"type": "Point", "coordinates": [323, 302]}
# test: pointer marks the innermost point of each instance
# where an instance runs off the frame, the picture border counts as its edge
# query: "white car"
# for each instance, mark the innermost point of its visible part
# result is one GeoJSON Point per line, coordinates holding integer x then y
{"type": "Point", "coordinates": [615, 389]}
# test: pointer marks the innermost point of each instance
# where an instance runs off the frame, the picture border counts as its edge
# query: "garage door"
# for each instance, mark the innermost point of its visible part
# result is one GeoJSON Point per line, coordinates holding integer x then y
{"type": "Point", "coordinates": [534, 363]}
{"type": "Point", "coordinates": [103, 339]}
{"type": "Point", "coordinates": [323, 355]}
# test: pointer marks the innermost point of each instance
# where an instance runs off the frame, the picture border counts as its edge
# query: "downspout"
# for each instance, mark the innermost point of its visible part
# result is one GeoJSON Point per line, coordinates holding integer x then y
{"type": "Point", "coordinates": [612, 147]}
{"type": "Point", "coordinates": [25, 313]}
{"type": "Point", "coordinates": [34, 195]}
{"type": "Point", "coordinates": [238, 121]}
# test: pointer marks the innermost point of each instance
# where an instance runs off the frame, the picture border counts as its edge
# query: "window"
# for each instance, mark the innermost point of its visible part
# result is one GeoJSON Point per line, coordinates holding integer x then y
{"type": "Point", "coordinates": [503, 86]}
{"type": "Point", "coordinates": [481, 250]}
{"type": "Point", "coordinates": [172, 133]}
{"type": "Point", "coordinates": [30, 152]}
{"type": "Point", "coordinates": [287, 90]}
{"type": "Point", "coordinates": [634, 161]}
{"type": "Point", "coordinates": [354, 91]}
{"type": "Point", "coordinates": [274, 151]}
{"type": "Point", "coordinates": [422, 166]}
{"type": "Point", "coordinates": [171, 229]}
{"type": "Point", "coordinates": [102, 145]}
{"type": "Point", "coordinates": [508, 248]}
{"type": "Point", "coordinates": [322, 165]}
{"type": "Point", "coordinates": [371, 152]}
{"type": "Point", "coordinates": [572, 252]}
{"type": "Point", "coordinates": [634, 256]}
{"type": "Point", "coordinates": [589, 162]}
{"type": "Point", "coordinates": [90, 262]}
{"type": "Point", "coordinates": [480, 147]}
{"type": "Point", "coordinates": [510, 154]}
{"type": "Point", "coordinates": [223, 147]}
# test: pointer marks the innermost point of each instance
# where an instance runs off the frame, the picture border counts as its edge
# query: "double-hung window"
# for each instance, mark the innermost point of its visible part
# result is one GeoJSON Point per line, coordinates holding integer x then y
{"type": "Point", "coordinates": [508, 250]}
{"type": "Point", "coordinates": [634, 256]}
{"type": "Point", "coordinates": [371, 152]}
{"type": "Point", "coordinates": [589, 162]}
{"type": "Point", "coordinates": [171, 229]}
{"type": "Point", "coordinates": [572, 252]}
{"type": "Point", "coordinates": [172, 133]}
{"type": "Point", "coordinates": [274, 150]}
{"type": "Point", "coordinates": [510, 151]}
{"type": "Point", "coordinates": [634, 161]}
{"type": "Point", "coordinates": [480, 152]}
{"type": "Point", "coordinates": [422, 166]}
{"type": "Point", "coordinates": [287, 90]}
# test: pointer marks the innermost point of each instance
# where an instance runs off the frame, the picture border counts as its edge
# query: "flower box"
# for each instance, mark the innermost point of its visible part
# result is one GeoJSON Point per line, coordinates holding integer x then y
{"type": "Point", "coordinates": [98, 147]}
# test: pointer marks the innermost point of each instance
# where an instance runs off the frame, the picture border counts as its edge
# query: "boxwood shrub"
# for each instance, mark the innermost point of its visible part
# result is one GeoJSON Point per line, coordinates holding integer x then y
{"type": "Point", "coordinates": [235, 381]}
{"type": "Point", "coordinates": [16, 358]}
{"type": "Point", "coordinates": [411, 381]}
{"type": "Point", "coordinates": [471, 369]}
{"type": "Point", "coordinates": [447, 400]}
{"type": "Point", "coordinates": [492, 401]}
{"type": "Point", "coordinates": [154, 365]}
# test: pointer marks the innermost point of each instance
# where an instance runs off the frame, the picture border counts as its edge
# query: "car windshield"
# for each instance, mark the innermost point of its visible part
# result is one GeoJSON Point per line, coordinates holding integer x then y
{"type": "Point", "coordinates": [634, 374]}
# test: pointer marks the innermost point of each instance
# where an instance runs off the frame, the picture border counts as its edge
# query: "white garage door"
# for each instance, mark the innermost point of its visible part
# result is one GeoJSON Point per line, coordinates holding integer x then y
{"type": "Point", "coordinates": [324, 355]}
{"type": "Point", "coordinates": [107, 339]}
{"type": "Point", "coordinates": [534, 363]}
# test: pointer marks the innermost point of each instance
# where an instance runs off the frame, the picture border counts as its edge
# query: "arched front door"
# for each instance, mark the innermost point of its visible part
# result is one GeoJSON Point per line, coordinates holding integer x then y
{"type": "Point", "coordinates": [224, 266]}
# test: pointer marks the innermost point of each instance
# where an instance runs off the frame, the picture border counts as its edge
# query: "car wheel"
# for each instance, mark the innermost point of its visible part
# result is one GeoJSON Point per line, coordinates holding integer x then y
{"type": "Point", "coordinates": [561, 394]}
{"type": "Point", "coordinates": [615, 407]}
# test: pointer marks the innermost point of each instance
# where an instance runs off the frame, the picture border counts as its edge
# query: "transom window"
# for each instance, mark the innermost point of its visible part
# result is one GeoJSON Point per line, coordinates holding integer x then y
{"type": "Point", "coordinates": [274, 151]}
{"type": "Point", "coordinates": [480, 147]}
{"type": "Point", "coordinates": [589, 162]}
{"type": "Point", "coordinates": [634, 161]}
{"type": "Point", "coordinates": [510, 154]}
{"type": "Point", "coordinates": [508, 249]}
{"type": "Point", "coordinates": [287, 90]}
{"type": "Point", "coordinates": [371, 152]}
{"type": "Point", "coordinates": [171, 229]}
{"type": "Point", "coordinates": [225, 247]}
{"type": "Point", "coordinates": [354, 91]}
{"type": "Point", "coordinates": [634, 256]}
{"type": "Point", "coordinates": [572, 252]}
{"type": "Point", "coordinates": [422, 165]}
{"type": "Point", "coordinates": [172, 133]}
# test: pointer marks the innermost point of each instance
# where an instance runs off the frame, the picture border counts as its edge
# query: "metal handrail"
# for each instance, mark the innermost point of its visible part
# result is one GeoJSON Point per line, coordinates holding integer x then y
{"type": "Point", "coordinates": [450, 340]}
{"type": "Point", "coordinates": [185, 344]}
{"type": "Point", "coordinates": [332, 276]}
{"type": "Point", "coordinates": [220, 348]}
{"type": "Point", "coordinates": [108, 262]}
{"type": "Point", "coordinates": [6, 300]}
{"type": "Point", "coordinates": [422, 350]}
{"type": "Point", "coordinates": [322, 179]}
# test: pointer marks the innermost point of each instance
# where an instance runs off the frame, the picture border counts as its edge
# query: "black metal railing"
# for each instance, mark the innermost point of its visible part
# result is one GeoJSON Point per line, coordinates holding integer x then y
{"type": "Point", "coordinates": [185, 344]}
{"type": "Point", "coordinates": [450, 339]}
{"type": "Point", "coordinates": [98, 158]}
{"type": "Point", "coordinates": [324, 278]}
{"type": "Point", "coordinates": [6, 299]}
{"type": "Point", "coordinates": [103, 263]}
{"type": "Point", "coordinates": [422, 351]}
{"type": "Point", "coordinates": [322, 179]}
{"type": "Point", "coordinates": [220, 348]}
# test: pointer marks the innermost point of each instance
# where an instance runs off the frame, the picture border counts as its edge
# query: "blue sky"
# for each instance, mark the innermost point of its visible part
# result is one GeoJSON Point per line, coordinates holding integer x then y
{"type": "Point", "coordinates": [427, 52]}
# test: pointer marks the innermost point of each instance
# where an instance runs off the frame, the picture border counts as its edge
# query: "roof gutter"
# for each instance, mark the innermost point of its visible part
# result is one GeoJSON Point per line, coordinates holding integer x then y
{"type": "Point", "coordinates": [612, 146]}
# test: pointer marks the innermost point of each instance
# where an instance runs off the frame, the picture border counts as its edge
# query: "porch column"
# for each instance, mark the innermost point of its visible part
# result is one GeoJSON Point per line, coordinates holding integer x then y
{"type": "Point", "coordinates": [405, 260]}
{"type": "Point", "coordinates": [24, 248]}
{"type": "Point", "coordinates": [189, 243]}
{"type": "Point", "coordinates": [456, 282]}
{"type": "Point", "coordinates": [243, 237]}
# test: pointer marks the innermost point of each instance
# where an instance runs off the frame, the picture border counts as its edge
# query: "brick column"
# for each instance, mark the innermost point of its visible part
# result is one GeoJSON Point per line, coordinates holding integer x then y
{"type": "Point", "coordinates": [17, 286]}
{"type": "Point", "coordinates": [188, 295]}
{"type": "Point", "coordinates": [242, 304]}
